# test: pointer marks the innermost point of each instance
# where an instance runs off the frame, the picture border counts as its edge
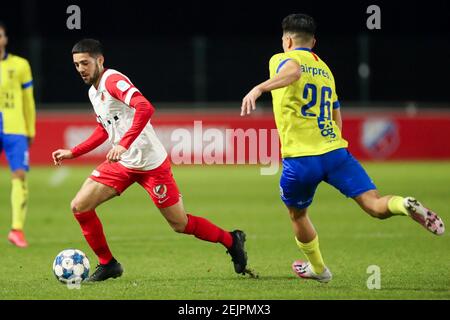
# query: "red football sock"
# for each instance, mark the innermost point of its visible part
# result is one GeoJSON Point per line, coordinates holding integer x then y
{"type": "Point", "coordinates": [93, 232]}
{"type": "Point", "coordinates": [205, 230]}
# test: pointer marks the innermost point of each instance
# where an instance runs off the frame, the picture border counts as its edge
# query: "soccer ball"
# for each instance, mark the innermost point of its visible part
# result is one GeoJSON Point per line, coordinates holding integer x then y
{"type": "Point", "coordinates": [71, 266]}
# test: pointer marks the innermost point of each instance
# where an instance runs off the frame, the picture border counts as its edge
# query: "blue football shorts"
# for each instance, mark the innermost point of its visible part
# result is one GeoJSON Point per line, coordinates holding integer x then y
{"type": "Point", "coordinates": [302, 175]}
{"type": "Point", "coordinates": [16, 150]}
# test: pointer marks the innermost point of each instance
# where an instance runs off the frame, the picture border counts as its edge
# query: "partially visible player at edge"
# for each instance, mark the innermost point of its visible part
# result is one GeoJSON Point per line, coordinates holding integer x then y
{"type": "Point", "coordinates": [308, 119]}
{"type": "Point", "coordinates": [123, 116]}
{"type": "Point", "coordinates": [17, 131]}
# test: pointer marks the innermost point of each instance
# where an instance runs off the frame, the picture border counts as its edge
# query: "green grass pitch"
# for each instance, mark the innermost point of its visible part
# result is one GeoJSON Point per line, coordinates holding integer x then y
{"type": "Point", "coordinates": [160, 264]}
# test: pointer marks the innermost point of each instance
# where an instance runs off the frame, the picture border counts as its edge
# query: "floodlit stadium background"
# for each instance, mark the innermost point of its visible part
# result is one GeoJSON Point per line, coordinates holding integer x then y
{"type": "Point", "coordinates": [200, 60]}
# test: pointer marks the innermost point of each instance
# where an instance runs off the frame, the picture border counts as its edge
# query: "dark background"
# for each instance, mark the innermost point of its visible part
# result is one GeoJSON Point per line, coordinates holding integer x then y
{"type": "Point", "coordinates": [216, 51]}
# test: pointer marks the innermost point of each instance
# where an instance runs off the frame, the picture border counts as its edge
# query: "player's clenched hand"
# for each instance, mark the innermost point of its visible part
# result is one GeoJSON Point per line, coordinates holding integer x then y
{"type": "Point", "coordinates": [115, 153]}
{"type": "Point", "coordinates": [61, 154]}
{"type": "Point", "coordinates": [249, 101]}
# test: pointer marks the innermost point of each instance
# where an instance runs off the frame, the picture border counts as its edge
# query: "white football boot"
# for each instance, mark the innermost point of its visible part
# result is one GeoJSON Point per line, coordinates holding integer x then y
{"type": "Point", "coordinates": [427, 218]}
{"type": "Point", "coordinates": [303, 270]}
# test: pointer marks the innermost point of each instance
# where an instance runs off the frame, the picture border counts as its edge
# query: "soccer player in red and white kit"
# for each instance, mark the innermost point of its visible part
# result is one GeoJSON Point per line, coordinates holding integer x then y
{"type": "Point", "coordinates": [123, 116]}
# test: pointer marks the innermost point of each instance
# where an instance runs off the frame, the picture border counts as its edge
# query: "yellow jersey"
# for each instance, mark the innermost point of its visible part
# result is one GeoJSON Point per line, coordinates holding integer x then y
{"type": "Point", "coordinates": [303, 110]}
{"type": "Point", "coordinates": [17, 107]}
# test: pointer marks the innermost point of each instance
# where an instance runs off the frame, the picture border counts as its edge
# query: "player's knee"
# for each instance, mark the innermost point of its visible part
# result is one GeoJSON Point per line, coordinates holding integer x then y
{"type": "Point", "coordinates": [296, 213]}
{"type": "Point", "coordinates": [74, 206]}
{"type": "Point", "coordinates": [78, 206]}
{"type": "Point", "coordinates": [19, 174]}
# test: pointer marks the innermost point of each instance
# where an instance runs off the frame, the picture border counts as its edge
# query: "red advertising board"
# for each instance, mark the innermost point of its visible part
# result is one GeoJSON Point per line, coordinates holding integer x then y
{"type": "Point", "coordinates": [228, 138]}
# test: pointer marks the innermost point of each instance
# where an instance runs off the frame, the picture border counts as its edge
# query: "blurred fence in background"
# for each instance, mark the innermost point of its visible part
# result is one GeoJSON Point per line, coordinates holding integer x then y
{"type": "Point", "coordinates": [195, 64]}
{"type": "Point", "coordinates": [212, 136]}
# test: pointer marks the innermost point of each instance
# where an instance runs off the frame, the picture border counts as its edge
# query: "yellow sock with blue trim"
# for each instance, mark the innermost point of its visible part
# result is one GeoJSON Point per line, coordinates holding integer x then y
{"type": "Point", "coordinates": [312, 252]}
{"type": "Point", "coordinates": [19, 203]}
{"type": "Point", "coordinates": [396, 206]}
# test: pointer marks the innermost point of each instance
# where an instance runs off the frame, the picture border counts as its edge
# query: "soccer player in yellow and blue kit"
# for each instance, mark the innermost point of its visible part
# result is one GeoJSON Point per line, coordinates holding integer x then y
{"type": "Point", "coordinates": [17, 130]}
{"type": "Point", "coordinates": [308, 119]}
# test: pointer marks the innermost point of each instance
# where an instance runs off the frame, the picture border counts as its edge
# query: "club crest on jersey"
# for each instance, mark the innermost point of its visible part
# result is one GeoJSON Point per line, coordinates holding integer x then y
{"type": "Point", "coordinates": [160, 191]}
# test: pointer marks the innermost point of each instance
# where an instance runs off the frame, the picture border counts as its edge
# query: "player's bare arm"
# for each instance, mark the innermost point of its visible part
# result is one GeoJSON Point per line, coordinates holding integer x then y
{"type": "Point", "coordinates": [288, 74]}
{"type": "Point", "coordinates": [337, 118]}
{"type": "Point", "coordinates": [96, 139]}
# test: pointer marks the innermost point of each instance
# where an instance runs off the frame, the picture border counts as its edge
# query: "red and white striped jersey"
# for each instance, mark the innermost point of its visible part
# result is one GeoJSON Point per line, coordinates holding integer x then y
{"type": "Point", "coordinates": [111, 102]}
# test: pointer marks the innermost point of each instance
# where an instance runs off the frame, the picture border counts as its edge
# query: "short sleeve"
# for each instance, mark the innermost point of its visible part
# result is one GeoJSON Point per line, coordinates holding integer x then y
{"type": "Point", "coordinates": [281, 64]}
{"type": "Point", "coordinates": [336, 104]}
{"type": "Point", "coordinates": [274, 62]}
{"type": "Point", "coordinates": [120, 87]}
{"type": "Point", "coordinates": [279, 60]}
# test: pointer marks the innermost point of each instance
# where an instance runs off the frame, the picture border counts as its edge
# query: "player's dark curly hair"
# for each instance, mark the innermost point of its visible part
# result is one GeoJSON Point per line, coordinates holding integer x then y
{"type": "Point", "coordinates": [300, 24]}
{"type": "Point", "coordinates": [91, 46]}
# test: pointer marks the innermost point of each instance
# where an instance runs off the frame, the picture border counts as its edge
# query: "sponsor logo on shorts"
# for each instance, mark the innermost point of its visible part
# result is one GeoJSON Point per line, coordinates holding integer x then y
{"type": "Point", "coordinates": [162, 201]}
{"type": "Point", "coordinates": [160, 191]}
{"type": "Point", "coordinates": [26, 158]}
{"type": "Point", "coordinates": [281, 192]}
{"type": "Point", "coordinates": [95, 173]}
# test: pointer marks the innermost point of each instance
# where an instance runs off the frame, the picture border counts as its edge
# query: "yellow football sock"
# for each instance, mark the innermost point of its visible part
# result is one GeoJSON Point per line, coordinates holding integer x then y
{"type": "Point", "coordinates": [396, 207]}
{"type": "Point", "coordinates": [312, 252]}
{"type": "Point", "coordinates": [19, 201]}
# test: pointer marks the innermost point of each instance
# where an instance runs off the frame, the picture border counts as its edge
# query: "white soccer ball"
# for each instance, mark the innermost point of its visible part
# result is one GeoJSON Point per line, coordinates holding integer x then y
{"type": "Point", "coordinates": [71, 266]}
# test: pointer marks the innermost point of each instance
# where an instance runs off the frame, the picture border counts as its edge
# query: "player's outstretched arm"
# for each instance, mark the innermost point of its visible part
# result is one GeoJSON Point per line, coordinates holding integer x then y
{"type": "Point", "coordinates": [289, 73]}
{"type": "Point", "coordinates": [96, 139]}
